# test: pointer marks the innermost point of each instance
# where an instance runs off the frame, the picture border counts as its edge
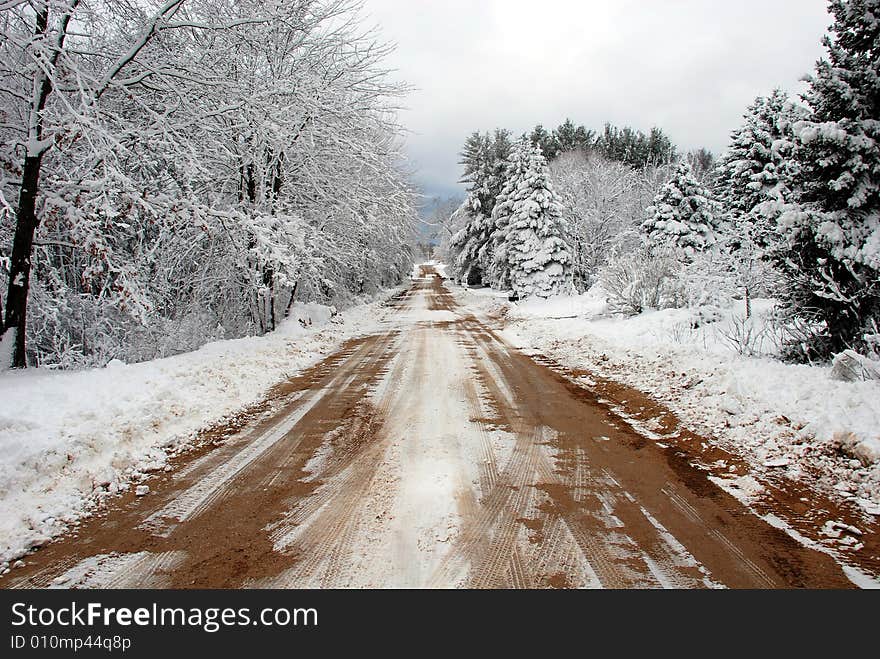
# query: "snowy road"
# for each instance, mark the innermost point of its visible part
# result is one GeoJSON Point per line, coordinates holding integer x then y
{"type": "Point", "coordinates": [431, 454]}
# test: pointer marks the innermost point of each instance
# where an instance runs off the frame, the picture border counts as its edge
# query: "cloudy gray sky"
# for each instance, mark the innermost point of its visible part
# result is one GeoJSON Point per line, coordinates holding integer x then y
{"type": "Point", "coordinates": [688, 66]}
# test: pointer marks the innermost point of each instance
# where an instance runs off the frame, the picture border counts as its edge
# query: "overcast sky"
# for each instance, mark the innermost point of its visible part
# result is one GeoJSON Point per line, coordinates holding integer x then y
{"type": "Point", "coordinates": [687, 66]}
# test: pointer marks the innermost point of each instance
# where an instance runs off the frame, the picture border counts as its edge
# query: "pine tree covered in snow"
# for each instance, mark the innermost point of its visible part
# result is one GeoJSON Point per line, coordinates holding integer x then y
{"type": "Point", "coordinates": [531, 255]}
{"type": "Point", "coordinates": [483, 158]}
{"type": "Point", "coordinates": [467, 242]}
{"type": "Point", "coordinates": [832, 253]}
{"type": "Point", "coordinates": [515, 169]}
{"type": "Point", "coordinates": [683, 215]}
{"type": "Point", "coordinates": [754, 174]}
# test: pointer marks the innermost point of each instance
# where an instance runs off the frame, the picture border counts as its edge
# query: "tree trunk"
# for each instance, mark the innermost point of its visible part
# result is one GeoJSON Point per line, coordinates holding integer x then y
{"type": "Point", "coordinates": [26, 215]}
{"type": "Point", "coordinates": [277, 180]}
{"type": "Point", "coordinates": [269, 283]}
{"type": "Point", "coordinates": [251, 183]}
{"type": "Point", "coordinates": [20, 261]}
{"type": "Point", "coordinates": [290, 301]}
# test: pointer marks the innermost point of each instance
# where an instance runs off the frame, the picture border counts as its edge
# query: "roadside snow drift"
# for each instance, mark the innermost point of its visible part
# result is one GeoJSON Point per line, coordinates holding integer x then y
{"type": "Point", "coordinates": [70, 439]}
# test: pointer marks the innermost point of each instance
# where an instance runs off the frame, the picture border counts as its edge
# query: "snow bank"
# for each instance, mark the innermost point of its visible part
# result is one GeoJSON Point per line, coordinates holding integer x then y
{"type": "Point", "coordinates": [769, 412]}
{"type": "Point", "coordinates": [69, 439]}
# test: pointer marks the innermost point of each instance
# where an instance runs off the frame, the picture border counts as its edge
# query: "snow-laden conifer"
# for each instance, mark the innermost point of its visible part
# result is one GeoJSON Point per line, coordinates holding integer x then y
{"type": "Point", "coordinates": [531, 255]}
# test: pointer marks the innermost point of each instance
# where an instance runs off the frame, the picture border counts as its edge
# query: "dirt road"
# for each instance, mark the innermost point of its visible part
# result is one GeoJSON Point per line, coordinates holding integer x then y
{"type": "Point", "coordinates": [429, 455]}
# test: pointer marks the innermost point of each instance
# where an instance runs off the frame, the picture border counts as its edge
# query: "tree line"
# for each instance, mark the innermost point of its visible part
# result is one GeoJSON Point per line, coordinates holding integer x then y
{"type": "Point", "coordinates": [627, 145]}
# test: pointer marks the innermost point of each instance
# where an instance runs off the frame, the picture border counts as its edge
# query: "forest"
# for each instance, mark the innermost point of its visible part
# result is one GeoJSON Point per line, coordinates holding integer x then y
{"type": "Point", "coordinates": [176, 175]}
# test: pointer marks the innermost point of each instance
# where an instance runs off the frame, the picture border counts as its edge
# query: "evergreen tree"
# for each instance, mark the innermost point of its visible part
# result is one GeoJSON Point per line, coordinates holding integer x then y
{"type": "Point", "coordinates": [568, 137]}
{"type": "Point", "coordinates": [546, 141]}
{"type": "Point", "coordinates": [682, 216]}
{"type": "Point", "coordinates": [584, 139]}
{"type": "Point", "coordinates": [531, 255]}
{"type": "Point", "coordinates": [753, 177]}
{"type": "Point", "coordinates": [611, 145]}
{"type": "Point", "coordinates": [500, 151]}
{"type": "Point", "coordinates": [626, 145]}
{"type": "Point", "coordinates": [832, 252]}
{"type": "Point", "coordinates": [634, 148]}
{"type": "Point", "coordinates": [477, 160]}
{"type": "Point", "coordinates": [514, 172]}
{"type": "Point", "coordinates": [483, 160]}
{"type": "Point", "coordinates": [659, 147]}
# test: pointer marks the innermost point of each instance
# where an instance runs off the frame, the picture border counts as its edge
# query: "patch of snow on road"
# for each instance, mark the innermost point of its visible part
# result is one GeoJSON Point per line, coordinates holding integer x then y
{"type": "Point", "coordinates": [430, 464]}
{"type": "Point", "coordinates": [117, 570]}
{"type": "Point", "coordinates": [438, 266]}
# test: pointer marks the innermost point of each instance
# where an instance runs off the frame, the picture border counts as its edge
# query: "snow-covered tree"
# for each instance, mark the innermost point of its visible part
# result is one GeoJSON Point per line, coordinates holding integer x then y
{"type": "Point", "coordinates": [752, 179]}
{"type": "Point", "coordinates": [484, 158]}
{"type": "Point", "coordinates": [602, 207]}
{"type": "Point", "coordinates": [531, 255]}
{"type": "Point", "coordinates": [189, 170]}
{"type": "Point", "coordinates": [831, 255]}
{"type": "Point", "coordinates": [702, 162]}
{"type": "Point", "coordinates": [683, 215]}
{"type": "Point", "coordinates": [545, 140]}
{"type": "Point", "coordinates": [568, 138]}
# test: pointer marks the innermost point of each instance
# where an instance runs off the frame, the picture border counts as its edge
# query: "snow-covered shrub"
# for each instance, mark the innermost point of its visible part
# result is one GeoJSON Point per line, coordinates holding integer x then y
{"type": "Point", "coordinates": [75, 331]}
{"type": "Point", "coordinates": [750, 336]}
{"type": "Point", "coordinates": [688, 333]}
{"type": "Point", "coordinates": [798, 335]}
{"type": "Point", "coordinates": [530, 253]}
{"type": "Point", "coordinates": [639, 280]}
{"type": "Point", "coordinates": [707, 279]}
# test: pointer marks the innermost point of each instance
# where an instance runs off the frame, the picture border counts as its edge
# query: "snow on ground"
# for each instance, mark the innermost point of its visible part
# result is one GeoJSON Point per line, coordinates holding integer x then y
{"type": "Point", "coordinates": [438, 266]}
{"type": "Point", "coordinates": [70, 439]}
{"type": "Point", "coordinates": [775, 415]}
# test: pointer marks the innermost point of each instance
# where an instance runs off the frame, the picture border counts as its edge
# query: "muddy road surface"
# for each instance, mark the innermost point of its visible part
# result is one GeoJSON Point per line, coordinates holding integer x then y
{"type": "Point", "coordinates": [429, 455]}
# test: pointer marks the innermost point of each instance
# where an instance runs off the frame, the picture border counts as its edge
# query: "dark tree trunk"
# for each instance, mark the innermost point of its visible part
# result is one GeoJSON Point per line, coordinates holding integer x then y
{"type": "Point", "coordinates": [26, 214]}
{"type": "Point", "coordinates": [268, 271]}
{"type": "Point", "coordinates": [251, 183]}
{"type": "Point", "coordinates": [277, 179]}
{"type": "Point", "coordinates": [290, 301]}
{"type": "Point", "coordinates": [269, 282]}
{"type": "Point", "coordinates": [20, 261]}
